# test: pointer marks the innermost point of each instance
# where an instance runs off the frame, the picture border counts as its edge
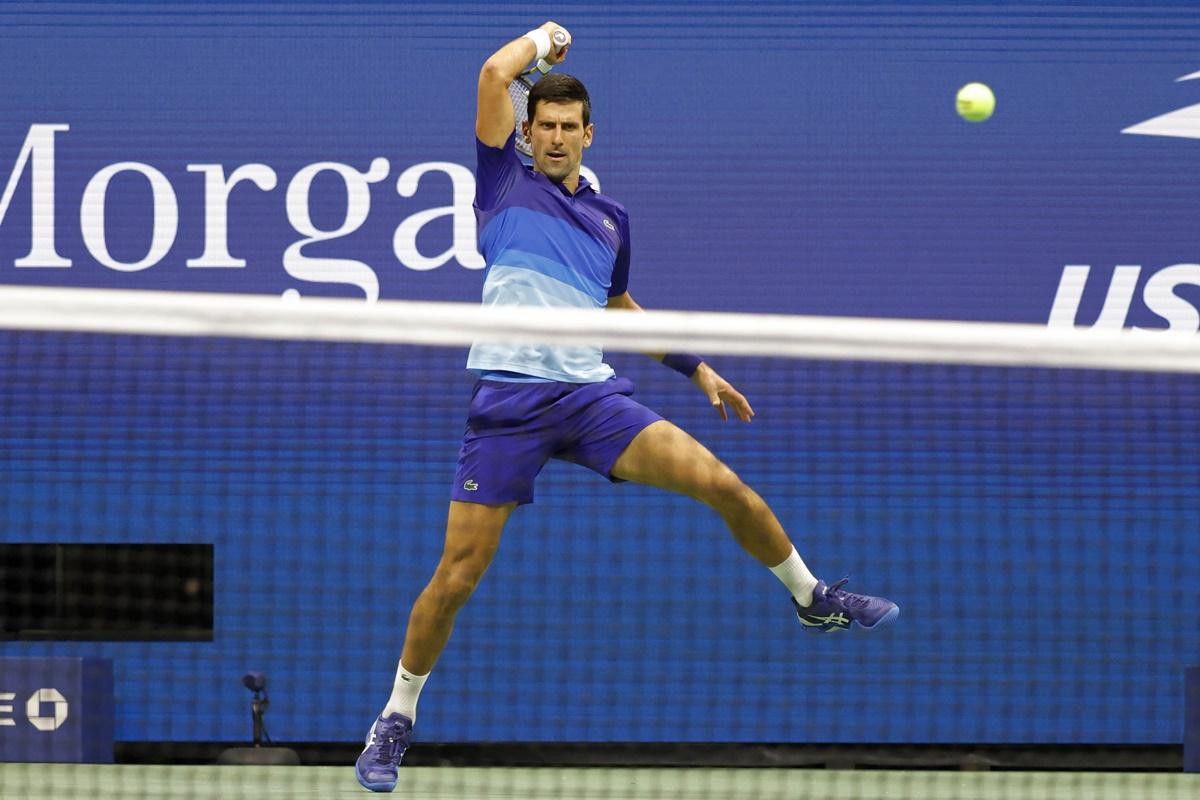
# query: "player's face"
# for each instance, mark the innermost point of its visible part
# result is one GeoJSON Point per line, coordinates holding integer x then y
{"type": "Point", "coordinates": [558, 137]}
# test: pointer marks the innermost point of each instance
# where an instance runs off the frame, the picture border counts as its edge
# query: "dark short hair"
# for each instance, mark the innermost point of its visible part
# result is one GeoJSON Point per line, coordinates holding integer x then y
{"type": "Point", "coordinates": [558, 87]}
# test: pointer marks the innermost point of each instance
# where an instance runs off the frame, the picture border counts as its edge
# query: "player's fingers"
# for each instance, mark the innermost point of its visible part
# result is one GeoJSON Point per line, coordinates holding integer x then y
{"type": "Point", "coordinates": [740, 404]}
{"type": "Point", "coordinates": [714, 397]}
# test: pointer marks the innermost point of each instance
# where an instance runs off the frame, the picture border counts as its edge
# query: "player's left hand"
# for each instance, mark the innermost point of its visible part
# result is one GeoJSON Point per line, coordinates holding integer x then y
{"type": "Point", "coordinates": [720, 392]}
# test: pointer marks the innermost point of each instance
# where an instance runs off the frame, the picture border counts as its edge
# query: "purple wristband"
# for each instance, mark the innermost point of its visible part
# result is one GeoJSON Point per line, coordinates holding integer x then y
{"type": "Point", "coordinates": [683, 363]}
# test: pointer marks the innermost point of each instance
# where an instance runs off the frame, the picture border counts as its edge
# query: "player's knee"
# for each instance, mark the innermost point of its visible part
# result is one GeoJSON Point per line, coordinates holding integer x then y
{"type": "Point", "coordinates": [458, 589]}
{"type": "Point", "coordinates": [454, 590]}
{"type": "Point", "coordinates": [727, 492]}
{"type": "Point", "coordinates": [457, 581]}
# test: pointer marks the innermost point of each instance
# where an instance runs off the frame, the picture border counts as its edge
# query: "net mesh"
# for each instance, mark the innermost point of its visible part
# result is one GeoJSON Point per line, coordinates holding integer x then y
{"type": "Point", "coordinates": [1036, 525]}
{"type": "Point", "coordinates": [518, 92]}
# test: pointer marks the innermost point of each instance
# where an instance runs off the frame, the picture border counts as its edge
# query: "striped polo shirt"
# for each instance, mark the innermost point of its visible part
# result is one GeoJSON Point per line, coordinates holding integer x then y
{"type": "Point", "coordinates": [544, 247]}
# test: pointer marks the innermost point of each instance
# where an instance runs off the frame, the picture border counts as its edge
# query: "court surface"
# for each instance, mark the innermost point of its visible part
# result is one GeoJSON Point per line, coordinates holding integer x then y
{"type": "Point", "coordinates": [45, 781]}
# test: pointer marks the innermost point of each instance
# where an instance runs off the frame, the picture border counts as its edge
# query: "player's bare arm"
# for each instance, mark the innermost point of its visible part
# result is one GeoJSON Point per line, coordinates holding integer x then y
{"type": "Point", "coordinates": [494, 115]}
{"type": "Point", "coordinates": [718, 390]}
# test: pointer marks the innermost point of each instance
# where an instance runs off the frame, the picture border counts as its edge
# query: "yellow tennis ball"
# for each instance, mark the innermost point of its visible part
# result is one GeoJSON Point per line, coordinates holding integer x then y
{"type": "Point", "coordinates": [975, 102]}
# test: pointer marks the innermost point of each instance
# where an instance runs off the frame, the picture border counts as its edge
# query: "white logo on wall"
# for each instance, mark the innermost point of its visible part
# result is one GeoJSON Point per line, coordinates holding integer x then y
{"type": "Point", "coordinates": [37, 157]}
{"type": "Point", "coordinates": [33, 709]}
{"type": "Point", "coordinates": [1183, 122]}
{"type": "Point", "coordinates": [1159, 293]}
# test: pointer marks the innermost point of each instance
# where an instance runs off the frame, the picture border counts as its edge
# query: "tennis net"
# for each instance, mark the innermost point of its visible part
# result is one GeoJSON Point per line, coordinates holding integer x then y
{"type": "Point", "coordinates": [198, 486]}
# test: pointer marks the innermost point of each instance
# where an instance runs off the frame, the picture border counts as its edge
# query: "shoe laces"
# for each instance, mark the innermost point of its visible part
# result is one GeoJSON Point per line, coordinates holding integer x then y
{"type": "Point", "coordinates": [848, 599]}
{"type": "Point", "coordinates": [389, 744]}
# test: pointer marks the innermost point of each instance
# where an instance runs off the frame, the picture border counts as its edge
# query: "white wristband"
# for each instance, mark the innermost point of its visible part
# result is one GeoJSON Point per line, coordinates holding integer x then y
{"type": "Point", "coordinates": [541, 40]}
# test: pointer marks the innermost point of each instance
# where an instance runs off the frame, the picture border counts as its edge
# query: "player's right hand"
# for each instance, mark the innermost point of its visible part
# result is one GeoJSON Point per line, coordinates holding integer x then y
{"type": "Point", "coordinates": [558, 52]}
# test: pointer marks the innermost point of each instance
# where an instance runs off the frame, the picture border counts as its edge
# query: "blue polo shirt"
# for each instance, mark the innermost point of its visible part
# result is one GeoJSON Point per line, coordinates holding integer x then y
{"type": "Point", "coordinates": [544, 246]}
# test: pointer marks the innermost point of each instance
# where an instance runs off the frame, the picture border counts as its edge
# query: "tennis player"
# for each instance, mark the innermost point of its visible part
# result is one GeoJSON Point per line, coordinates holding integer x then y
{"type": "Point", "coordinates": [550, 239]}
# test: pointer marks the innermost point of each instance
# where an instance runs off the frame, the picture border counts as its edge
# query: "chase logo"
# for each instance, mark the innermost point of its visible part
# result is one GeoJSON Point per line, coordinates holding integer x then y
{"type": "Point", "coordinates": [1183, 122]}
{"type": "Point", "coordinates": [33, 709]}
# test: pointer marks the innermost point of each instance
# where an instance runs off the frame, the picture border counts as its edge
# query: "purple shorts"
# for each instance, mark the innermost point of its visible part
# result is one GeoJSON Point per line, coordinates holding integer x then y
{"type": "Point", "coordinates": [513, 429]}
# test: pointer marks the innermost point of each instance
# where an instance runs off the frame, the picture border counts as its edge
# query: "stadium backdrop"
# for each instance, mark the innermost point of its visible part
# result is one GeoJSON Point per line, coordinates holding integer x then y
{"type": "Point", "coordinates": [780, 157]}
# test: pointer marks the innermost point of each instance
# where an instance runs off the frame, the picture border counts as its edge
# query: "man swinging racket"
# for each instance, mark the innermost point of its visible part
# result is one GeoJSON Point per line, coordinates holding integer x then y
{"type": "Point", "coordinates": [550, 239]}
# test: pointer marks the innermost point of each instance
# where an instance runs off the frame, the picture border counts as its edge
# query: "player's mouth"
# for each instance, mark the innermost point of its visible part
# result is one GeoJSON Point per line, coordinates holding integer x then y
{"type": "Point", "coordinates": [555, 155]}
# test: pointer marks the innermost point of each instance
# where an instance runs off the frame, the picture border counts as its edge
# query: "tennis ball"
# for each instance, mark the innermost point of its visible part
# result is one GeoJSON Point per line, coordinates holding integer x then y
{"type": "Point", "coordinates": [975, 102]}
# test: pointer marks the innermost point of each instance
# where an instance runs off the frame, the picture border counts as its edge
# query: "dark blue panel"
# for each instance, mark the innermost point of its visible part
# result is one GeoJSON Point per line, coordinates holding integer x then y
{"type": "Point", "coordinates": [56, 709]}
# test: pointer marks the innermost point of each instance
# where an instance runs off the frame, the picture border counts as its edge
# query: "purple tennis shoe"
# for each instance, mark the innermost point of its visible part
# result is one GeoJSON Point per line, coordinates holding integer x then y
{"type": "Point", "coordinates": [377, 765]}
{"type": "Point", "coordinates": [835, 609]}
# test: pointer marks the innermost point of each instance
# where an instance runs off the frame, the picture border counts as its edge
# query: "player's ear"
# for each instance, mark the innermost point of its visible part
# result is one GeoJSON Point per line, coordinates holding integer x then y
{"type": "Point", "coordinates": [587, 135]}
{"type": "Point", "coordinates": [525, 130]}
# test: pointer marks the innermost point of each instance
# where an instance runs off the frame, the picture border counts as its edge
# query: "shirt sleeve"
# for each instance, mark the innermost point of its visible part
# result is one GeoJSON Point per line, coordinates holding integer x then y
{"type": "Point", "coordinates": [496, 171]}
{"type": "Point", "coordinates": [620, 275]}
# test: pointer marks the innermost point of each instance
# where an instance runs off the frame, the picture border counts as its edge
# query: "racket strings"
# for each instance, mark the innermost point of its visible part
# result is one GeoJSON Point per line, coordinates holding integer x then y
{"type": "Point", "coordinates": [518, 92]}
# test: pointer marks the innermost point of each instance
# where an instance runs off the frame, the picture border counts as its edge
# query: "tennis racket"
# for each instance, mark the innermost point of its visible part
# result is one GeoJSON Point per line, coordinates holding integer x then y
{"type": "Point", "coordinates": [518, 92]}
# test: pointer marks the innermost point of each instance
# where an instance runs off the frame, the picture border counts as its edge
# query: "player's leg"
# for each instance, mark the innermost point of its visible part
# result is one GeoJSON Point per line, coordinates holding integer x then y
{"type": "Point", "coordinates": [506, 443]}
{"type": "Point", "coordinates": [665, 456]}
{"type": "Point", "coordinates": [472, 537]}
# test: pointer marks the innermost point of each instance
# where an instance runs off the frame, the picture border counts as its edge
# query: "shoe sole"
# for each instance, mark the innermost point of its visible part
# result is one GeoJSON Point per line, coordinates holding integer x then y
{"type": "Point", "coordinates": [376, 787]}
{"type": "Point", "coordinates": [886, 619]}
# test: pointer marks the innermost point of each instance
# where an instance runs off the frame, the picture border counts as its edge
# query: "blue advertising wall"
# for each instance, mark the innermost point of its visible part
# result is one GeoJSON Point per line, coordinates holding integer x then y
{"type": "Point", "coordinates": [791, 158]}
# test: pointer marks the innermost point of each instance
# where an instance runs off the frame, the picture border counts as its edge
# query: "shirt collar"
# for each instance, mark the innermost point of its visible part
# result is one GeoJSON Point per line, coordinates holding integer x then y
{"type": "Point", "coordinates": [584, 183]}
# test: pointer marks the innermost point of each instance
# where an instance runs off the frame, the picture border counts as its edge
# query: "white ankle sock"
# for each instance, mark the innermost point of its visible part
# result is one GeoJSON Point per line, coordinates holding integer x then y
{"type": "Point", "coordinates": [796, 577]}
{"type": "Point", "coordinates": [405, 692]}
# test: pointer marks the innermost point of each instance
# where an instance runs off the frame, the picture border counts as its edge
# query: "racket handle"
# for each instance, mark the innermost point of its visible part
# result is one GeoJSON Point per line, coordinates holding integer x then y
{"type": "Point", "coordinates": [544, 66]}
